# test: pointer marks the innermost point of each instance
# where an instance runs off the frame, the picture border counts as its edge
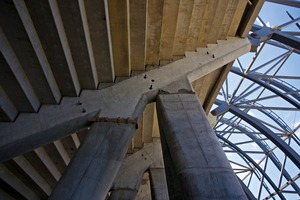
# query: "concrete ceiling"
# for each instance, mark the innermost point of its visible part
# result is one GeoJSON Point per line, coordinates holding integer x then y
{"type": "Point", "coordinates": [54, 49]}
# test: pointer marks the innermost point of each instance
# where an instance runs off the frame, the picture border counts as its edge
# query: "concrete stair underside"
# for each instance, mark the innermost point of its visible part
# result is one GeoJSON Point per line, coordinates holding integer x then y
{"type": "Point", "coordinates": [52, 49]}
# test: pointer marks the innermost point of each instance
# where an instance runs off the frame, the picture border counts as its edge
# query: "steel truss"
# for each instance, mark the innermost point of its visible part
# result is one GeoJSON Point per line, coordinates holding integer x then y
{"type": "Point", "coordinates": [261, 145]}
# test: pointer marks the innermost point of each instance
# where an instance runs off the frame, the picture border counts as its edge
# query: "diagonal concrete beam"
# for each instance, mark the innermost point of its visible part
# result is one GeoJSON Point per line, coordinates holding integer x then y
{"type": "Point", "coordinates": [125, 99]}
{"type": "Point", "coordinates": [26, 166]}
{"type": "Point", "coordinates": [12, 180]}
{"type": "Point", "coordinates": [131, 173]}
{"type": "Point", "coordinates": [92, 170]}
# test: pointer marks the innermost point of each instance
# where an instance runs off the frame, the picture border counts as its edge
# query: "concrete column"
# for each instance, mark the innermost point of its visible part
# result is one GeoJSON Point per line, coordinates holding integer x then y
{"type": "Point", "coordinates": [93, 169]}
{"type": "Point", "coordinates": [158, 181]}
{"type": "Point", "coordinates": [173, 183]}
{"type": "Point", "coordinates": [128, 180]}
{"type": "Point", "coordinates": [196, 155]}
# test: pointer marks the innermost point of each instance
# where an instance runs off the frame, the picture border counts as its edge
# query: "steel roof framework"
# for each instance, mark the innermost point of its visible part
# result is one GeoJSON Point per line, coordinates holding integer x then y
{"type": "Point", "coordinates": [261, 145]}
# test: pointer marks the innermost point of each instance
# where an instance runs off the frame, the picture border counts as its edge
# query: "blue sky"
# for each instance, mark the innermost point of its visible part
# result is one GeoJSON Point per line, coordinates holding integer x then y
{"type": "Point", "coordinates": [272, 15]}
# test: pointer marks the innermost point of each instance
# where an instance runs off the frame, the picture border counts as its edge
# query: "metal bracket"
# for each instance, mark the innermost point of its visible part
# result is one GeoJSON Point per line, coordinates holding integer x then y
{"type": "Point", "coordinates": [115, 120]}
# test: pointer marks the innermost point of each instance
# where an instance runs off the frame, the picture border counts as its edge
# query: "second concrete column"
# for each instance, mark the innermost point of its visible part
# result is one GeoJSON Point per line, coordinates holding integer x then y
{"type": "Point", "coordinates": [196, 155]}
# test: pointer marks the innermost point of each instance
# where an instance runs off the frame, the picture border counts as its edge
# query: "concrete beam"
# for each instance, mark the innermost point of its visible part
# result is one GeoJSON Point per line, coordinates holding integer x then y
{"type": "Point", "coordinates": [155, 129]}
{"type": "Point", "coordinates": [183, 26]}
{"type": "Point", "coordinates": [173, 183]}
{"type": "Point", "coordinates": [75, 140]}
{"type": "Point", "coordinates": [4, 195]}
{"type": "Point", "coordinates": [73, 79]}
{"type": "Point", "coordinates": [71, 11]}
{"type": "Point", "coordinates": [195, 25]}
{"type": "Point", "coordinates": [23, 163]}
{"type": "Point", "coordinates": [29, 52]}
{"type": "Point", "coordinates": [148, 122]}
{"type": "Point", "coordinates": [49, 93]}
{"type": "Point", "coordinates": [205, 85]}
{"type": "Point", "coordinates": [249, 17]}
{"type": "Point", "coordinates": [230, 11]}
{"type": "Point", "coordinates": [27, 48]}
{"type": "Point", "coordinates": [241, 5]}
{"type": "Point", "coordinates": [154, 21]}
{"type": "Point", "coordinates": [159, 189]}
{"type": "Point", "coordinates": [216, 25]}
{"type": "Point", "coordinates": [62, 151]}
{"type": "Point", "coordinates": [120, 36]}
{"type": "Point", "coordinates": [43, 155]}
{"type": "Point", "coordinates": [139, 135]}
{"type": "Point", "coordinates": [97, 24]}
{"type": "Point", "coordinates": [211, 97]}
{"type": "Point", "coordinates": [170, 14]}
{"type": "Point", "coordinates": [55, 121]}
{"type": "Point", "coordinates": [130, 174]}
{"type": "Point", "coordinates": [196, 154]}
{"type": "Point", "coordinates": [138, 13]}
{"type": "Point", "coordinates": [8, 111]}
{"type": "Point", "coordinates": [88, 40]}
{"type": "Point", "coordinates": [49, 33]}
{"type": "Point", "coordinates": [208, 16]}
{"type": "Point", "coordinates": [15, 79]}
{"type": "Point", "coordinates": [8, 177]}
{"type": "Point", "coordinates": [158, 183]}
{"type": "Point", "coordinates": [95, 165]}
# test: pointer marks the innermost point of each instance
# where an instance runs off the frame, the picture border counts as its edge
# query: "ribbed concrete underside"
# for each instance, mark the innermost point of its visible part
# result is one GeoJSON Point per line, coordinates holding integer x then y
{"type": "Point", "coordinates": [53, 50]}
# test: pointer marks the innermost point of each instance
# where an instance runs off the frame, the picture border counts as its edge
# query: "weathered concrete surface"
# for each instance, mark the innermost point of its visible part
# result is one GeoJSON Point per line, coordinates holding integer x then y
{"type": "Point", "coordinates": [196, 155]}
{"type": "Point", "coordinates": [138, 13]}
{"type": "Point", "coordinates": [173, 183]}
{"type": "Point", "coordinates": [91, 172]}
{"type": "Point", "coordinates": [170, 13]}
{"type": "Point", "coordinates": [129, 177]}
{"type": "Point", "coordinates": [154, 20]}
{"type": "Point", "coordinates": [26, 47]}
{"type": "Point", "coordinates": [49, 32]}
{"type": "Point", "coordinates": [159, 189]}
{"type": "Point", "coordinates": [78, 42]}
{"type": "Point", "coordinates": [120, 34]}
{"type": "Point", "coordinates": [196, 20]}
{"type": "Point", "coordinates": [14, 80]}
{"type": "Point", "coordinates": [121, 100]}
{"type": "Point", "coordinates": [8, 111]}
{"type": "Point", "coordinates": [185, 11]}
{"type": "Point", "coordinates": [249, 17]}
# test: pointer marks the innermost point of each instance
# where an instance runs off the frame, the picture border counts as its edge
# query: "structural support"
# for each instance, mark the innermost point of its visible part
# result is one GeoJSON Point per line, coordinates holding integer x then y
{"type": "Point", "coordinates": [158, 181]}
{"type": "Point", "coordinates": [72, 114]}
{"type": "Point", "coordinates": [91, 172]}
{"type": "Point", "coordinates": [159, 189]}
{"type": "Point", "coordinates": [197, 157]}
{"type": "Point", "coordinates": [130, 175]}
{"type": "Point", "coordinates": [290, 152]}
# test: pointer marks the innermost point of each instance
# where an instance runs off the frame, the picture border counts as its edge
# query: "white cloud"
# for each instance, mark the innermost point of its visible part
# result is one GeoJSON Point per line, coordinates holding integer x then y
{"type": "Point", "coordinates": [257, 20]}
{"type": "Point", "coordinates": [296, 124]}
{"type": "Point", "coordinates": [254, 146]}
{"type": "Point", "coordinates": [268, 24]}
{"type": "Point", "coordinates": [251, 113]}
